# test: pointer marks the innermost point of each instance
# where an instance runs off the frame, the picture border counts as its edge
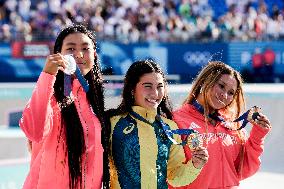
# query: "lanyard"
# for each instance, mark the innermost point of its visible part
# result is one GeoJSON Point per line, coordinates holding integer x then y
{"type": "Point", "coordinates": [214, 116]}
{"type": "Point", "coordinates": [169, 133]}
{"type": "Point", "coordinates": [81, 79]}
{"type": "Point", "coordinates": [251, 114]}
{"type": "Point", "coordinates": [244, 117]}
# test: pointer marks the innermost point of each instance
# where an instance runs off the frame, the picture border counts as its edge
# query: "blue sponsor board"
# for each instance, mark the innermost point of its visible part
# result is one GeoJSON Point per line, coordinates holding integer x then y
{"type": "Point", "coordinates": [5, 50]}
{"type": "Point", "coordinates": [187, 59]}
{"type": "Point", "coordinates": [18, 70]}
{"type": "Point", "coordinates": [240, 57]}
{"type": "Point", "coordinates": [240, 54]}
{"type": "Point", "coordinates": [118, 57]}
{"type": "Point", "coordinates": [184, 59]}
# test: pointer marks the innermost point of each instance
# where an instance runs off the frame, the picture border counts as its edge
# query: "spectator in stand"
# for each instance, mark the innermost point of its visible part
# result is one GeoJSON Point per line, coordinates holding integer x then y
{"type": "Point", "coordinates": [186, 18]}
{"type": "Point", "coordinates": [269, 61]}
{"type": "Point", "coordinates": [257, 65]}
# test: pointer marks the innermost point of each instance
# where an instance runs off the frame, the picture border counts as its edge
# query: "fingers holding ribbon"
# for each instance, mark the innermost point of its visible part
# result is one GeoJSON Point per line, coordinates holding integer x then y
{"type": "Point", "coordinates": [263, 121]}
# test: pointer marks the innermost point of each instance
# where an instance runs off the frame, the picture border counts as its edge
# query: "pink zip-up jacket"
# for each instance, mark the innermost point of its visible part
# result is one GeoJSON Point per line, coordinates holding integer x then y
{"type": "Point", "coordinates": [41, 122]}
{"type": "Point", "coordinates": [223, 169]}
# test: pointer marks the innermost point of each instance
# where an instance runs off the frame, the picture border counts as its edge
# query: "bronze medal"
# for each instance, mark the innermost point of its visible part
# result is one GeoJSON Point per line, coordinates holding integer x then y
{"type": "Point", "coordinates": [253, 114]}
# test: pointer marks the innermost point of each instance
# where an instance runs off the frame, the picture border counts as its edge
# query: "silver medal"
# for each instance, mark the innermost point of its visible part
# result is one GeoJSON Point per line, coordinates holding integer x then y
{"type": "Point", "coordinates": [71, 66]}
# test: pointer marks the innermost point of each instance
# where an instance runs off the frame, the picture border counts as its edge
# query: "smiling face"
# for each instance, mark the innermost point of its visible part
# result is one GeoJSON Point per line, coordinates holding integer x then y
{"type": "Point", "coordinates": [149, 91]}
{"type": "Point", "coordinates": [82, 48]}
{"type": "Point", "coordinates": [222, 92]}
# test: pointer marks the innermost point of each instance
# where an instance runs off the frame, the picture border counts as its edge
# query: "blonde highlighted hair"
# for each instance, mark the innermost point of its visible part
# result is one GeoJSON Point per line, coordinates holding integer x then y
{"type": "Point", "coordinates": [207, 78]}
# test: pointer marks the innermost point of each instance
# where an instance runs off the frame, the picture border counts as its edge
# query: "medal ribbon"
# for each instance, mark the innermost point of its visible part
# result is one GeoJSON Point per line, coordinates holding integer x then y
{"type": "Point", "coordinates": [216, 117]}
{"type": "Point", "coordinates": [244, 118]}
{"type": "Point", "coordinates": [67, 84]}
{"type": "Point", "coordinates": [81, 79]}
{"type": "Point", "coordinates": [169, 133]}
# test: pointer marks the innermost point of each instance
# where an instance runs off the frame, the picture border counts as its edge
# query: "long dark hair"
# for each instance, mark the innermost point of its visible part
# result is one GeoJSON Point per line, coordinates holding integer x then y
{"type": "Point", "coordinates": [71, 123]}
{"type": "Point", "coordinates": [132, 77]}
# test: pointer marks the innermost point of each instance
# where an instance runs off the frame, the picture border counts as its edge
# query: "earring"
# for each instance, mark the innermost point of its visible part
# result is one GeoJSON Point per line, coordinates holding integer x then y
{"type": "Point", "coordinates": [132, 95]}
{"type": "Point", "coordinates": [201, 90]}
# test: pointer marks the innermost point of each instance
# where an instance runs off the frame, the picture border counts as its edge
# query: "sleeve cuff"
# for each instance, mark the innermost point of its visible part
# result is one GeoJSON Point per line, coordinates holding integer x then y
{"type": "Point", "coordinates": [186, 177]}
{"type": "Point", "coordinates": [258, 133]}
{"type": "Point", "coordinates": [47, 80]}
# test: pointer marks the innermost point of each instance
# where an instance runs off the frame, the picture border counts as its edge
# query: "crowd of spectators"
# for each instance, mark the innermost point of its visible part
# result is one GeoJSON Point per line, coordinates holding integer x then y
{"type": "Point", "coordinates": [141, 20]}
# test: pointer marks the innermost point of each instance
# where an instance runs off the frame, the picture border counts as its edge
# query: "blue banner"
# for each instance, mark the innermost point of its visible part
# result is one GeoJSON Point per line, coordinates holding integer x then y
{"type": "Point", "coordinates": [187, 59]}
{"type": "Point", "coordinates": [184, 59]}
{"type": "Point", "coordinates": [240, 54]}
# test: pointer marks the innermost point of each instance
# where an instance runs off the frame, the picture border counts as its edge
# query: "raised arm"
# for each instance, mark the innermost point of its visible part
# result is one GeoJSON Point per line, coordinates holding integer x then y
{"type": "Point", "coordinates": [180, 172]}
{"type": "Point", "coordinates": [253, 147]}
{"type": "Point", "coordinates": [37, 115]}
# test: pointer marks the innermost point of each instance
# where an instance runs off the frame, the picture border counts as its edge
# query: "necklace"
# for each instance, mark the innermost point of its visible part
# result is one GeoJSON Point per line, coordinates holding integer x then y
{"type": "Point", "coordinates": [250, 114]}
{"type": "Point", "coordinates": [214, 116]}
{"type": "Point", "coordinates": [191, 135]}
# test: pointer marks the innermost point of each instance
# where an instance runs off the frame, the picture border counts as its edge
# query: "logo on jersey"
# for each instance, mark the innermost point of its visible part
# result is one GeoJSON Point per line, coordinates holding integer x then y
{"type": "Point", "coordinates": [194, 126]}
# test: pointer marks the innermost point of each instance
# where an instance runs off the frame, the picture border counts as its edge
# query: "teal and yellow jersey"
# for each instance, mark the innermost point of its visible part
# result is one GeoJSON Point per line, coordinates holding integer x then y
{"type": "Point", "coordinates": [142, 156]}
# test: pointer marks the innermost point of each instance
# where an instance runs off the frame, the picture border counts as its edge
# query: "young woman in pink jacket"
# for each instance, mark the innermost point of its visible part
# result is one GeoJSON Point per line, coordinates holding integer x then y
{"type": "Point", "coordinates": [215, 101]}
{"type": "Point", "coordinates": [64, 118]}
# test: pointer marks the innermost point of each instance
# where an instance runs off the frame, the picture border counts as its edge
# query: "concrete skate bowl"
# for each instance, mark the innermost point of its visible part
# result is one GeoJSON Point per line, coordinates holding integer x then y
{"type": "Point", "coordinates": [14, 158]}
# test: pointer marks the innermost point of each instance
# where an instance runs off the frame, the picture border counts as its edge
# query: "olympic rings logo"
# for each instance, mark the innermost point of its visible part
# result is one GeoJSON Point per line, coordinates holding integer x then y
{"type": "Point", "coordinates": [196, 58]}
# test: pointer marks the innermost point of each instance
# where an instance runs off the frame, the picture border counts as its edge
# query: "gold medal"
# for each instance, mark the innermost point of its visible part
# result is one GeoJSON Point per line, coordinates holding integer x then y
{"type": "Point", "coordinates": [194, 141]}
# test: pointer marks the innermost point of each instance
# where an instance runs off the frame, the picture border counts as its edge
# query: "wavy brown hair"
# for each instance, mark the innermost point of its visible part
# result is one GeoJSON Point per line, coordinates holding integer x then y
{"type": "Point", "coordinates": [207, 78]}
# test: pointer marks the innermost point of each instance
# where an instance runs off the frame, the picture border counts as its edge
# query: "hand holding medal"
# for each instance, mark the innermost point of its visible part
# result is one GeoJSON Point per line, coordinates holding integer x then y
{"type": "Point", "coordinates": [54, 62]}
{"type": "Point", "coordinates": [199, 153]}
{"type": "Point", "coordinates": [257, 118]}
{"type": "Point", "coordinates": [72, 68]}
{"type": "Point", "coordinates": [71, 64]}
